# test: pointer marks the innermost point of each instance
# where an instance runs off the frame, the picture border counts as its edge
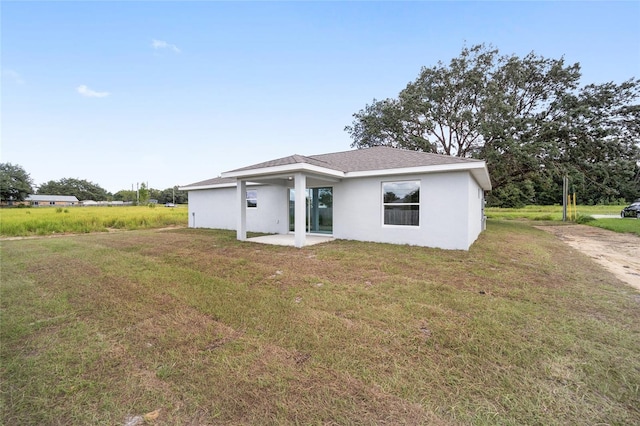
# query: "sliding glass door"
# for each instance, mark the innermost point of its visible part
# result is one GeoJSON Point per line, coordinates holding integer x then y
{"type": "Point", "coordinates": [319, 208]}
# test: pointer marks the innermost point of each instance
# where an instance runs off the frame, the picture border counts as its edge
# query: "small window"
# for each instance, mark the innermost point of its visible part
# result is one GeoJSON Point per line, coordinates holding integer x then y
{"type": "Point", "coordinates": [401, 201]}
{"type": "Point", "coordinates": [252, 198]}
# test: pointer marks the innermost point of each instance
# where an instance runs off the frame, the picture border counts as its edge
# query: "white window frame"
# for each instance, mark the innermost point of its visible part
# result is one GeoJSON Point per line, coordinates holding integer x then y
{"type": "Point", "coordinates": [384, 204]}
{"type": "Point", "coordinates": [254, 199]}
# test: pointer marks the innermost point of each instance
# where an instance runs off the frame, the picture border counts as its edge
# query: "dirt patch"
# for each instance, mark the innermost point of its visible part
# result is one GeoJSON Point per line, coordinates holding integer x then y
{"type": "Point", "coordinates": [618, 253]}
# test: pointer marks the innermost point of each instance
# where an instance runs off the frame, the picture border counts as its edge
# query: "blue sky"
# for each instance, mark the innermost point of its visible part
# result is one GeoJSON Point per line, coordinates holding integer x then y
{"type": "Point", "coordinates": [172, 93]}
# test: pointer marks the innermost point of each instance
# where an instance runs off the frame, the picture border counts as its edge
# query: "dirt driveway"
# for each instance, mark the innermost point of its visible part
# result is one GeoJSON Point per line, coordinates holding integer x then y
{"type": "Point", "coordinates": [618, 253]}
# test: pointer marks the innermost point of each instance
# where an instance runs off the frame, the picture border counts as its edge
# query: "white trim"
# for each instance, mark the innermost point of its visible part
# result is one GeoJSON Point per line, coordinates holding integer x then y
{"type": "Point", "coordinates": [256, 198]}
{"type": "Point", "coordinates": [195, 188]}
{"type": "Point", "coordinates": [215, 186]}
{"type": "Point", "coordinates": [286, 168]}
{"type": "Point", "coordinates": [477, 168]}
{"type": "Point", "coordinates": [383, 204]}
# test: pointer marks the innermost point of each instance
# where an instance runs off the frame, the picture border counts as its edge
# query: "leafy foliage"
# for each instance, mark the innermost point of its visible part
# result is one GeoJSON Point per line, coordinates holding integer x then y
{"type": "Point", "coordinates": [596, 136]}
{"type": "Point", "coordinates": [15, 182]}
{"type": "Point", "coordinates": [125, 195]}
{"type": "Point", "coordinates": [80, 188]}
{"type": "Point", "coordinates": [170, 195]}
{"type": "Point", "coordinates": [526, 117]}
{"type": "Point", "coordinates": [143, 194]}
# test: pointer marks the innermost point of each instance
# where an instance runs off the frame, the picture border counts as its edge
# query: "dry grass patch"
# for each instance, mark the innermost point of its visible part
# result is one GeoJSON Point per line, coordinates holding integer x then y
{"type": "Point", "coordinates": [519, 330]}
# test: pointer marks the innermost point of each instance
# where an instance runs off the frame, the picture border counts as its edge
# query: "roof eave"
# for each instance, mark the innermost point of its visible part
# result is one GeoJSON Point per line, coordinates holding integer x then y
{"type": "Point", "coordinates": [286, 168]}
{"type": "Point", "coordinates": [214, 186]}
{"type": "Point", "coordinates": [477, 168]}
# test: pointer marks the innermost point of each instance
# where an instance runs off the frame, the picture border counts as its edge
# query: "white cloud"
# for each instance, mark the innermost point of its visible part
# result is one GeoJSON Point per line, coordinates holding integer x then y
{"type": "Point", "coordinates": [13, 75]}
{"type": "Point", "coordinates": [160, 44]}
{"type": "Point", "coordinates": [85, 91]}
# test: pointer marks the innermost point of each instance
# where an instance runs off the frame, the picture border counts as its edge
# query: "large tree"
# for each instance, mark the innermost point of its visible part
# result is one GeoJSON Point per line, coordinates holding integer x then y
{"type": "Point", "coordinates": [597, 141]}
{"type": "Point", "coordinates": [172, 195]}
{"type": "Point", "coordinates": [80, 188]}
{"type": "Point", "coordinates": [15, 183]}
{"type": "Point", "coordinates": [510, 112]}
{"type": "Point", "coordinates": [125, 195]}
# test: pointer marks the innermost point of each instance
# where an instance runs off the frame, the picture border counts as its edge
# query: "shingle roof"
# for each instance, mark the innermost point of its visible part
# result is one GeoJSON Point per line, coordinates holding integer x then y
{"type": "Point", "coordinates": [214, 181]}
{"type": "Point", "coordinates": [211, 183]}
{"type": "Point", "coordinates": [292, 159]}
{"type": "Point", "coordinates": [374, 158]}
{"type": "Point", "coordinates": [358, 160]}
{"type": "Point", "coordinates": [384, 157]}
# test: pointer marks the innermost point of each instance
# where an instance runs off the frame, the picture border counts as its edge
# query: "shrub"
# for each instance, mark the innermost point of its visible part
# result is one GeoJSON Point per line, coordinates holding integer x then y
{"type": "Point", "coordinates": [584, 218]}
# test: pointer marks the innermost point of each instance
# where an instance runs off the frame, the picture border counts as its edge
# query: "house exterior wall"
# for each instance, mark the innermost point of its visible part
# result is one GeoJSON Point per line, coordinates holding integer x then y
{"type": "Point", "coordinates": [476, 210]}
{"type": "Point", "coordinates": [450, 210]}
{"type": "Point", "coordinates": [216, 208]}
{"type": "Point", "coordinates": [444, 211]}
{"type": "Point", "coordinates": [41, 203]}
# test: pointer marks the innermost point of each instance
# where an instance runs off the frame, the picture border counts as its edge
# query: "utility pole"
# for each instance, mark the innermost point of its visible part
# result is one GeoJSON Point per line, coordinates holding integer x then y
{"type": "Point", "coordinates": [565, 195]}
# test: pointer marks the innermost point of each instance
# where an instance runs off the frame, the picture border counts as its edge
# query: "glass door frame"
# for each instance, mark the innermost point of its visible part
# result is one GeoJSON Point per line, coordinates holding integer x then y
{"type": "Point", "coordinates": [315, 220]}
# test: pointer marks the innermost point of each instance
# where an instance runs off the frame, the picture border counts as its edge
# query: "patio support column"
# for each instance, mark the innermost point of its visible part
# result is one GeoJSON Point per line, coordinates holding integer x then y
{"type": "Point", "coordinates": [315, 211]}
{"type": "Point", "coordinates": [242, 210]}
{"type": "Point", "coordinates": [300, 209]}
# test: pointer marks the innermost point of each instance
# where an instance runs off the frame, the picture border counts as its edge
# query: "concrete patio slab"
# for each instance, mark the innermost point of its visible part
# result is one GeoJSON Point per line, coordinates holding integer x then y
{"type": "Point", "coordinates": [289, 239]}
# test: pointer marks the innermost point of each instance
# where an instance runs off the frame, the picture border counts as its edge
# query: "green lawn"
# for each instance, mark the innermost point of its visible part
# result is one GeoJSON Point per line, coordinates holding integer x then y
{"type": "Point", "coordinates": [554, 213]}
{"type": "Point", "coordinates": [99, 328]}
{"type": "Point", "coordinates": [627, 225]}
{"type": "Point", "coordinates": [548, 212]}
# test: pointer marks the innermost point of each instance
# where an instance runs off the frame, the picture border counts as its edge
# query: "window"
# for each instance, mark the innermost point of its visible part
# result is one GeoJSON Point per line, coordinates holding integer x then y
{"type": "Point", "coordinates": [252, 198]}
{"type": "Point", "coordinates": [401, 201]}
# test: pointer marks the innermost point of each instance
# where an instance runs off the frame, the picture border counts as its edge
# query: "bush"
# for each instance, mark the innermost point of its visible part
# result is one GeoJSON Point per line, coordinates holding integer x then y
{"type": "Point", "coordinates": [584, 219]}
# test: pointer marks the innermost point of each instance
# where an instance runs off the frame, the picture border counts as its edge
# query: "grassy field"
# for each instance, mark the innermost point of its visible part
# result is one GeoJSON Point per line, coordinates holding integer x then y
{"type": "Point", "coordinates": [626, 225]}
{"type": "Point", "coordinates": [50, 220]}
{"type": "Point", "coordinates": [554, 213]}
{"type": "Point", "coordinates": [100, 328]}
{"type": "Point", "coordinates": [548, 212]}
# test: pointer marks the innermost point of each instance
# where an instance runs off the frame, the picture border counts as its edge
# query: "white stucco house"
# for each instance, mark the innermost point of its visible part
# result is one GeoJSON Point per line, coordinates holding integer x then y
{"type": "Point", "coordinates": [378, 194]}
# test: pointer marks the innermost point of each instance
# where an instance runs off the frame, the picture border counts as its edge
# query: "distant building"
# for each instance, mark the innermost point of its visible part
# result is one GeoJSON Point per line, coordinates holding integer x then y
{"type": "Point", "coordinates": [42, 200]}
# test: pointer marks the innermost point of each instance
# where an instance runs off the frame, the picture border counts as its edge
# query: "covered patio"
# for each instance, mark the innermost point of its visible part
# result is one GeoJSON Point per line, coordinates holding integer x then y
{"type": "Point", "coordinates": [295, 174]}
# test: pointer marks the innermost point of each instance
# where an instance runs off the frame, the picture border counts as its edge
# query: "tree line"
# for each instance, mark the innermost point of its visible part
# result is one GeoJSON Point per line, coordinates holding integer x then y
{"type": "Point", "coordinates": [529, 118]}
{"type": "Point", "coordinates": [16, 185]}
